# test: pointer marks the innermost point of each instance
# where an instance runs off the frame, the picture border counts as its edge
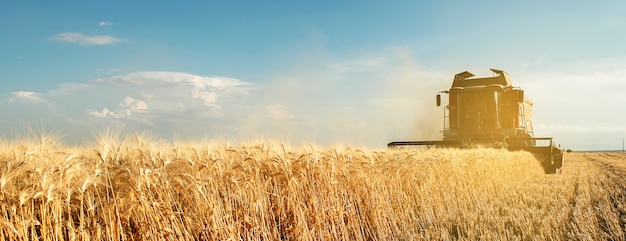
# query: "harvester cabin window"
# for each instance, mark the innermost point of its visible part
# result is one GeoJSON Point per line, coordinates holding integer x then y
{"type": "Point", "coordinates": [477, 110]}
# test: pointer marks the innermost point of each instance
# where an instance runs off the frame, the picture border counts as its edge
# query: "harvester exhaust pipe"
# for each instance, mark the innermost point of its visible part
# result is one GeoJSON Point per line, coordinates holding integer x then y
{"type": "Point", "coordinates": [439, 96]}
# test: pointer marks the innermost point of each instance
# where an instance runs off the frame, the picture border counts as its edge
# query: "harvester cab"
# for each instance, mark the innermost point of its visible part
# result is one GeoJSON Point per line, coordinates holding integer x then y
{"type": "Point", "coordinates": [490, 112]}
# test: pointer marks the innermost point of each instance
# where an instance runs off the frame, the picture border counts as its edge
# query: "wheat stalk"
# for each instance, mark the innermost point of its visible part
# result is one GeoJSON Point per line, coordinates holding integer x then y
{"type": "Point", "coordinates": [142, 188]}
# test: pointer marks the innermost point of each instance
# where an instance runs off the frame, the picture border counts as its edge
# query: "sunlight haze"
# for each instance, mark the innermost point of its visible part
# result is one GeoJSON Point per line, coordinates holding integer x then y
{"type": "Point", "coordinates": [360, 73]}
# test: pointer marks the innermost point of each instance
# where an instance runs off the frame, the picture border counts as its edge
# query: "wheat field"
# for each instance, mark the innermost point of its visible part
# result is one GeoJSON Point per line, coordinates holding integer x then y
{"type": "Point", "coordinates": [140, 188]}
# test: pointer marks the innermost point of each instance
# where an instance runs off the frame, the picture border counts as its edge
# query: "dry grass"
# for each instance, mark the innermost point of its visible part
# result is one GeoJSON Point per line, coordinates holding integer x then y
{"type": "Point", "coordinates": [137, 188]}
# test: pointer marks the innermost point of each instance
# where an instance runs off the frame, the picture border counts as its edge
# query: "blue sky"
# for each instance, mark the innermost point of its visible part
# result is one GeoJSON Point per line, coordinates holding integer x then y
{"type": "Point", "coordinates": [353, 72]}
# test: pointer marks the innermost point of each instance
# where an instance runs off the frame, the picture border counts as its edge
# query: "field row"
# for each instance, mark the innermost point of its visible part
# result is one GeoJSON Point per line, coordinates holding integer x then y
{"type": "Point", "coordinates": [599, 204]}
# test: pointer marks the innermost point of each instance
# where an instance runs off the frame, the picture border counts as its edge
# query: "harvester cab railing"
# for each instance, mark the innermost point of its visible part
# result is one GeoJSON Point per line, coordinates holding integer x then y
{"type": "Point", "coordinates": [529, 127]}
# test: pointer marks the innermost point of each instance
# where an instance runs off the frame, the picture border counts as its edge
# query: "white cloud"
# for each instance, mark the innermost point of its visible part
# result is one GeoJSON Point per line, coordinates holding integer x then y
{"type": "Point", "coordinates": [171, 93]}
{"type": "Point", "coordinates": [127, 108]}
{"type": "Point", "coordinates": [105, 23]}
{"type": "Point", "coordinates": [79, 38]}
{"type": "Point", "coordinates": [169, 103]}
{"type": "Point", "coordinates": [134, 105]}
{"type": "Point", "coordinates": [104, 113]}
{"type": "Point", "coordinates": [184, 88]}
{"type": "Point", "coordinates": [26, 97]}
{"type": "Point", "coordinates": [279, 112]}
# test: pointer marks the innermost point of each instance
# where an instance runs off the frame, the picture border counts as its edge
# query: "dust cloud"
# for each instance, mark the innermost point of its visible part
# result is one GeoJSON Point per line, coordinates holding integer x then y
{"type": "Point", "coordinates": [365, 102]}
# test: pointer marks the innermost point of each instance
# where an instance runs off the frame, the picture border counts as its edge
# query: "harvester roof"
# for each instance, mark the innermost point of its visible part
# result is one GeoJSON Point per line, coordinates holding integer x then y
{"type": "Point", "coordinates": [465, 79]}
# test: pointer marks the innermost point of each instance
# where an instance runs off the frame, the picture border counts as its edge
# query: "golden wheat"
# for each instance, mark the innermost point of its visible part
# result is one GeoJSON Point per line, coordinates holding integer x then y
{"type": "Point", "coordinates": [138, 188]}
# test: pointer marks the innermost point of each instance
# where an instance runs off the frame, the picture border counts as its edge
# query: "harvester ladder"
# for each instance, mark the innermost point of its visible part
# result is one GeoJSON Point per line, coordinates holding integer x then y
{"type": "Point", "coordinates": [527, 124]}
{"type": "Point", "coordinates": [446, 118]}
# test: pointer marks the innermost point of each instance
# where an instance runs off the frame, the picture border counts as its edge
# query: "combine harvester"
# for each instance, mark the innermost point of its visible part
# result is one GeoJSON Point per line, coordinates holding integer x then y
{"type": "Point", "coordinates": [491, 112]}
